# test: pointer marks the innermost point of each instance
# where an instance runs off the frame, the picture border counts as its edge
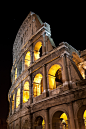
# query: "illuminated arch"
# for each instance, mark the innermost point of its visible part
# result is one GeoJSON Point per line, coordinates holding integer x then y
{"type": "Point", "coordinates": [26, 92]}
{"type": "Point", "coordinates": [15, 73]}
{"type": "Point", "coordinates": [55, 76]}
{"type": "Point", "coordinates": [13, 101]}
{"type": "Point", "coordinates": [59, 120]}
{"type": "Point", "coordinates": [18, 98]}
{"type": "Point", "coordinates": [37, 50]}
{"type": "Point", "coordinates": [27, 59]}
{"type": "Point", "coordinates": [38, 85]}
{"type": "Point", "coordinates": [84, 117]}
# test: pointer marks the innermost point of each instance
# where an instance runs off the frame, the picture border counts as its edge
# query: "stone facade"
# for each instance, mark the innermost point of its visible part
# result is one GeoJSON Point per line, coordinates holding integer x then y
{"type": "Point", "coordinates": [68, 95]}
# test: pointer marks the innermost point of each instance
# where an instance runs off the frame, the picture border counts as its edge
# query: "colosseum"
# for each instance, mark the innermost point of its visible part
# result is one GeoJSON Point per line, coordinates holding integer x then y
{"type": "Point", "coordinates": [48, 83]}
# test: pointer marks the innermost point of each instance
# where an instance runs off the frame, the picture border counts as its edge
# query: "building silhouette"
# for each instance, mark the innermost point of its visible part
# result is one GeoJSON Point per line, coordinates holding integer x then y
{"type": "Point", "coordinates": [48, 83]}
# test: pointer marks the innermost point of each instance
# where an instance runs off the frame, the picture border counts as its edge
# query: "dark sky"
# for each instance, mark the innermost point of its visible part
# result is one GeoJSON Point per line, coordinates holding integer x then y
{"type": "Point", "coordinates": [67, 21]}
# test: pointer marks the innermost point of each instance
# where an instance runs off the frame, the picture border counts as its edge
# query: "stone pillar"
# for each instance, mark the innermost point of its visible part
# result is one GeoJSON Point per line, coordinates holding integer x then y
{"type": "Point", "coordinates": [15, 100]}
{"type": "Point", "coordinates": [11, 105]}
{"type": "Point", "coordinates": [32, 57]}
{"type": "Point", "coordinates": [71, 116]}
{"type": "Point", "coordinates": [65, 78]}
{"type": "Point", "coordinates": [44, 79]}
{"type": "Point", "coordinates": [23, 62]}
{"type": "Point", "coordinates": [47, 119]}
{"type": "Point", "coordinates": [31, 89]}
{"type": "Point", "coordinates": [44, 82]}
{"type": "Point", "coordinates": [43, 45]}
{"type": "Point", "coordinates": [21, 95]}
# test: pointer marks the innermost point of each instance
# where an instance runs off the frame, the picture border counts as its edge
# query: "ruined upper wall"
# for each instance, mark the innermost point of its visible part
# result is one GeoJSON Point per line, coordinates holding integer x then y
{"type": "Point", "coordinates": [28, 28]}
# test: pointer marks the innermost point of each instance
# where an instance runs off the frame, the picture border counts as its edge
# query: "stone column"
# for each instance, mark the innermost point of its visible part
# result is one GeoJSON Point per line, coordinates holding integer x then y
{"type": "Point", "coordinates": [31, 89]}
{"type": "Point", "coordinates": [44, 82]}
{"type": "Point", "coordinates": [31, 57]}
{"type": "Point", "coordinates": [44, 79]}
{"type": "Point", "coordinates": [11, 105]}
{"type": "Point", "coordinates": [44, 45]}
{"type": "Point", "coordinates": [65, 78]}
{"type": "Point", "coordinates": [71, 116]}
{"type": "Point", "coordinates": [15, 100]}
{"type": "Point", "coordinates": [21, 95]}
{"type": "Point", "coordinates": [47, 119]}
{"type": "Point", "coordinates": [23, 62]}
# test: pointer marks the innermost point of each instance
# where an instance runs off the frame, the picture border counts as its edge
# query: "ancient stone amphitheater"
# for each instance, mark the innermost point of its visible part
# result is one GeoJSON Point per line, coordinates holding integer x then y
{"type": "Point", "coordinates": [48, 83]}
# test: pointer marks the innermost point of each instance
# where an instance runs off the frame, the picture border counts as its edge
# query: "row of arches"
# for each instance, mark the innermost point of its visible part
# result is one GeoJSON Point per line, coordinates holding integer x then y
{"type": "Point", "coordinates": [27, 59]}
{"type": "Point", "coordinates": [54, 78]}
{"type": "Point", "coordinates": [60, 120]}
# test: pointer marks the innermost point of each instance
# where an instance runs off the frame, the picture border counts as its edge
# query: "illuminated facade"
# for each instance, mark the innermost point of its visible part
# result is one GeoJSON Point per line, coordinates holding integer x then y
{"type": "Point", "coordinates": [48, 83]}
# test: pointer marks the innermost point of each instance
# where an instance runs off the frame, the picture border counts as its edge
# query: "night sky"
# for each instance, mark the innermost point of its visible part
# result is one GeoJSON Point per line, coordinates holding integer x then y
{"type": "Point", "coordinates": [67, 22]}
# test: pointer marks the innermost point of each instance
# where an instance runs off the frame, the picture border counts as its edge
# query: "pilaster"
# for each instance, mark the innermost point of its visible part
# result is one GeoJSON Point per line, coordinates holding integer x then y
{"type": "Point", "coordinates": [44, 82]}
{"type": "Point", "coordinates": [31, 89]}
{"type": "Point", "coordinates": [47, 119]}
{"type": "Point", "coordinates": [21, 95]}
{"type": "Point", "coordinates": [44, 45]}
{"type": "Point", "coordinates": [71, 116]}
{"type": "Point", "coordinates": [11, 105]}
{"type": "Point", "coordinates": [15, 100]}
{"type": "Point", "coordinates": [65, 77]}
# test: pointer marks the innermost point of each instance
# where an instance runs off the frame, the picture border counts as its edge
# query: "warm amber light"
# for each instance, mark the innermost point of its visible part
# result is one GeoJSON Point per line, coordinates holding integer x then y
{"type": "Point", "coordinates": [36, 50]}
{"type": "Point", "coordinates": [27, 59]}
{"type": "Point", "coordinates": [15, 73]}
{"type": "Point", "coordinates": [26, 92]}
{"type": "Point", "coordinates": [43, 124]}
{"type": "Point", "coordinates": [51, 76]}
{"type": "Point", "coordinates": [65, 119]}
{"type": "Point", "coordinates": [37, 85]}
{"type": "Point", "coordinates": [13, 101]}
{"type": "Point", "coordinates": [84, 117]}
{"type": "Point", "coordinates": [18, 98]}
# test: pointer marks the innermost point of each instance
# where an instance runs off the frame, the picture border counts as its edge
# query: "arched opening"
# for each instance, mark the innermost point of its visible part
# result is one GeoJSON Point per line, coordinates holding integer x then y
{"type": "Point", "coordinates": [37, 50]}
{"type": "Point", "coordinates": [18, 98]}
{"type": "Point", "coordinates": [13, 101]}
{"type": "Point", "coordinates": [59, 120]}
{"type": "Point", "coordinates": [38, 85]}
{"type": "Point", "coordinates": [82, 117]}
{"type": "Point", "coordinates": [27, 60]}
{"type": "Point", "coordinates": [55, 76]}
{"type": "Point", "coordinates": [15, 73]}
{"type": "Point", "coordinates": [39, 123]}
{"type": "Point", "coordinates": [26, 92]}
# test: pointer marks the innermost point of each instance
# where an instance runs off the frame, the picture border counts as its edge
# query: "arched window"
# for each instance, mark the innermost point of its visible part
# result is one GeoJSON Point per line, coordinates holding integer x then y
{"type": "Point", "coordinates": [27, 59]}
{"type": "Point", "coordinates": [13, 101]}
{"type": "Point", "coordinates": [18, 98]}
{"type": "Point", "coordinates": [55, 76]}
{"type": "Point", "coordinates": [38, 85]}
{"type": "Point", "coordinates": [15, 73]}
{"type": "Point", "coordinates": [26, 92]}
{"type": "Point", "coordinates": [59, 120]}
{"type": "Point", "coordinates": [37, 50]}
